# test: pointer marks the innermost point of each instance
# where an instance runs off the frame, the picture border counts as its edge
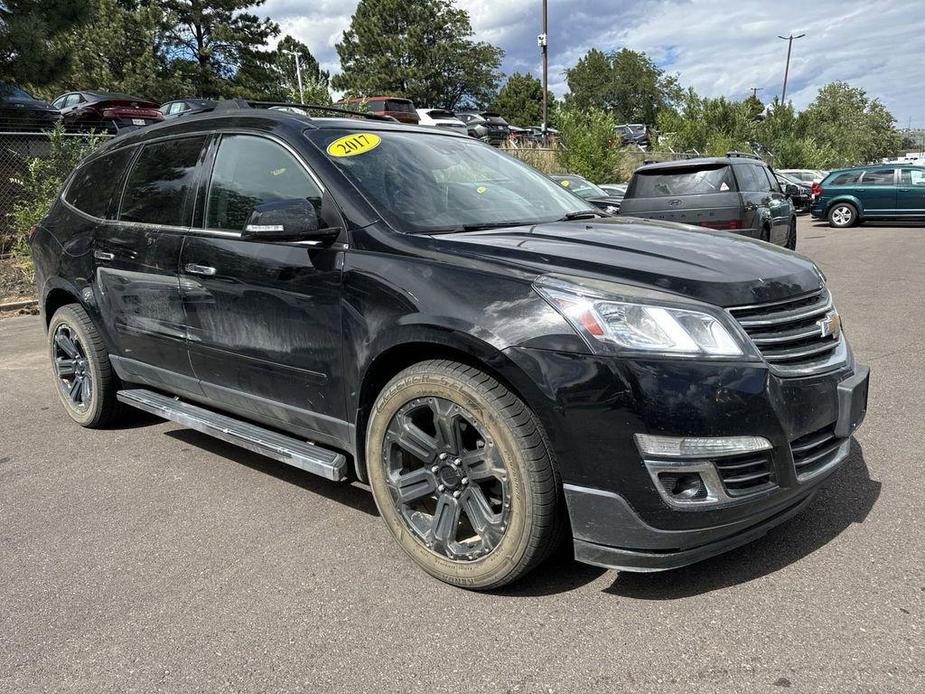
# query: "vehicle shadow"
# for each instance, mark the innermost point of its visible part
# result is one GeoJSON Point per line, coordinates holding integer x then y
{"type": "Point", "coordinates": [353, 494]}
{"type": "Point", "coordinates": [845, 498]}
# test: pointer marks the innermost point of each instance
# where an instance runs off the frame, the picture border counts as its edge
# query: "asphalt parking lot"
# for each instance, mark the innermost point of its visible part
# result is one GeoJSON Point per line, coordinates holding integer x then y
{"type": "Point", "coordinates": [153, 558]}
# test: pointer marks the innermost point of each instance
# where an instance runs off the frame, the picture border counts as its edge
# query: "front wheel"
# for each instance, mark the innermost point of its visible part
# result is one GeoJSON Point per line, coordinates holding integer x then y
{"type": "Point", "coordinates": [843, 215]}
{"type": "Point", "coordinates": [462, 474]}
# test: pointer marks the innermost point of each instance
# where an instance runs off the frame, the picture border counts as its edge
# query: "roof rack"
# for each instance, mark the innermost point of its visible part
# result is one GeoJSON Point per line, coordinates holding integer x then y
{"type": "Point", "coordinates": [744, 155]}
{"type": "Point", "coordinates": [234, 104]}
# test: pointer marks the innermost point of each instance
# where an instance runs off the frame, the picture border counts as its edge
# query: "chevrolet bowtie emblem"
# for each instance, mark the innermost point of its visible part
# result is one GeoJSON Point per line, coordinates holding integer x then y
{"type": "Point", "coordinates": [830, 325]}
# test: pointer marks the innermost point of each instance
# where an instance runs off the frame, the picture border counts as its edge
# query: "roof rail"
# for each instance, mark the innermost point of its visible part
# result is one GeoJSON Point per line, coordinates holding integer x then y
{"type": "Point", "coordinates": [744, 155]}
{"type": "Point", "coordinates": [235, 104]}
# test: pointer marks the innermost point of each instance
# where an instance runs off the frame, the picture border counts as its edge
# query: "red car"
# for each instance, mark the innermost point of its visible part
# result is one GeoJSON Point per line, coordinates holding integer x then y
{"type": "Point", "coordinates": [398, 108]}
{"type": "Point", "coordinates": [106, 111]}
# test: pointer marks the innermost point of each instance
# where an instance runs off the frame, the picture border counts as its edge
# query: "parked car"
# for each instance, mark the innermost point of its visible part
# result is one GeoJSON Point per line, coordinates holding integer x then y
{"type": "Point", "coordinates": [808, 176]}
{"type": "Point", "coordinates": [441, 118]}
{"type": "Point", "coordinates": [851, 196]}
{"type": "Point", "coordinates": [186, 107]}
{"type": "Point", "coordinates": [487, 126]}
{"type": "Point", "coordinates": [552, 134]}
{"type": "Point", "coordinates": [486, 350]}
{"type": "Point", "coordinates": [19, 110]}
{"type": "Point", "coordinates": [586, 190]}
{"type": "Point", "coordinates": [617, 190]}
{"type": "Point", "coordinates": [800, 193]}
{"type": "Point", "coordinates": [634, 134]}
{"type": "Point", "coordinates": [519, 136]}
{"type": "Point", "coordinates": [398, 108]}
{"type": "Point", "coordinates": [106, 110]}
{"type": "Point", "coordinates": [737, 193]}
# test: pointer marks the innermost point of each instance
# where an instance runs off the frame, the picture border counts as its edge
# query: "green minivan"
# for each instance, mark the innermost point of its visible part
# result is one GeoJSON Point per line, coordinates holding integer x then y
{"type": "Point", "coordinates": [879, 191]}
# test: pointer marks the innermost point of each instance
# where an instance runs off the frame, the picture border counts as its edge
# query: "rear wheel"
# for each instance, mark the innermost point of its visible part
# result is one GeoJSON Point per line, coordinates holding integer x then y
{"type": "Point", "coordinates": [462, 475]}
{"type": "Point", "coordinates": [843, 215]}
{"type": "Point", "coordinates": [86, 384]}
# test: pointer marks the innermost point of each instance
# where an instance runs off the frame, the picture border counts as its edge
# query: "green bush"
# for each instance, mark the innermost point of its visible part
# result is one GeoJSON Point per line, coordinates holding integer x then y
{"type": "Point", "coordinates": [589, 146]}
{"type": "Point", "coordinates": [41, 180]}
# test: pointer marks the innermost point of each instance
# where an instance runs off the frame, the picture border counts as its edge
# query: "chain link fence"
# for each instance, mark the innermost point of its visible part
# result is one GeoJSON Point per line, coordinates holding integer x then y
{"type": "Point", "coordinates": [20, 149]}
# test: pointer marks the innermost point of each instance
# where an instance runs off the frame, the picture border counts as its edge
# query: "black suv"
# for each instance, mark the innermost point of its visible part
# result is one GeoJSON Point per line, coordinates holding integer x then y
{"type": "Point", "coordinates": [501, 362]}
{"type": "Point", "coordinates": [738, 192]}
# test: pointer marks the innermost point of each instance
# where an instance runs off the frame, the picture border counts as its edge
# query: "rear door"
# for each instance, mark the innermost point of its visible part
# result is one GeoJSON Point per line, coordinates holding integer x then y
{"type": "Point", "coordinates": [702, 195]}
{"type": "Point", "coordinates": [877, 191]}
{"type": "Point", "coordinates": [137, 263]}
{"type": "Point", "coordinates": [910, 196]}
{"type": "Point", "coordinates": [263, 317]}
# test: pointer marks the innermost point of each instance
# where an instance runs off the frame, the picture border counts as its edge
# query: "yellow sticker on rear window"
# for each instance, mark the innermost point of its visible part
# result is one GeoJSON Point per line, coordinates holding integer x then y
{"type": "Point", "coordinates": [564, 183]}
{"type": "Point", "coordinates": [481, 189]}
{"type": "Point", "coordinates": [353, 144]}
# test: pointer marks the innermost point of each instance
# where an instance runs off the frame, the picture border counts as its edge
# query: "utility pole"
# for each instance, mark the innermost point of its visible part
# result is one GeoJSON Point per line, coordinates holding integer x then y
{"type": "Point", "coordinates": [298, 74]}
{"type": "Point", "coordinates": [542, 42]}
{"type": "Point", "coordinates": [789, 39]}
{"type": "Point", "coordinates": [755, 91]}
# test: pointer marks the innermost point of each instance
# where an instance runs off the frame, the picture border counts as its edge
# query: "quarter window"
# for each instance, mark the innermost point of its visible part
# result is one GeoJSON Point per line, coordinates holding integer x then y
{"type": "Point", "coordinates": [878, 177]}
{"type": "Point", "coordinates": [92, 189]}
{"type": "Point", "coordinates": [846, 179]}
{"type": "Point", "coordinates": [159, 185]}
{"type": "Point", "coordinates": [252, 170]}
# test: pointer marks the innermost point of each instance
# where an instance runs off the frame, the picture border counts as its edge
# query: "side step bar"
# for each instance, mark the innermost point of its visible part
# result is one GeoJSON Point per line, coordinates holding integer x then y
{"type": "Point", "coordinates": [287, 449]}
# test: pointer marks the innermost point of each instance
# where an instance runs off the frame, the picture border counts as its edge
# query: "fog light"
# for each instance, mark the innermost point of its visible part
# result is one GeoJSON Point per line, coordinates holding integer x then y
{"type": "Point", "coordinates": [687, 487]}
{"type": "Point", "coordinates": [699, 447]}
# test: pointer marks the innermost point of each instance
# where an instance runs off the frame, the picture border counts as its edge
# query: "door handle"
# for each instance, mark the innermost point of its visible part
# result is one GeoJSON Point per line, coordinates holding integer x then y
{"type": "Point", "coordinates": [903, 190]}
{"type": "Point", "coordinates": [195, 269]}
{"type": "Point", "coordinates": [104, 255]}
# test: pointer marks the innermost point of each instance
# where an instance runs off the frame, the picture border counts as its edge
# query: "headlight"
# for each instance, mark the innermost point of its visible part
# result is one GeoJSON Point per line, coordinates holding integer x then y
{"type": "Point", "coordinates": [611, 324]}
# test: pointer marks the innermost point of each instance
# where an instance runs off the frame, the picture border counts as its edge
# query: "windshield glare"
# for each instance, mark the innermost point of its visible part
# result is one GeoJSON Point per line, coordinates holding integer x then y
{"type": "Point", "coordinates": [582, 187]}
{"type": "Point", "coordinates": [427, 183]}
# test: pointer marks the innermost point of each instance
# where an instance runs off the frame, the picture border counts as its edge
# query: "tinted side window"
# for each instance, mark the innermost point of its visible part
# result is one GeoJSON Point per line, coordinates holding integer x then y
{"type": "Point", "coordinates": [160, 182]}
{"type": "Point", "coordinates": [751, 179]}
{"type": "Point", "coordinates": [845, 179]}
{"type": "Point", "coordinates": [375, 105]}
{"type": "Point", "coordinates": [95, 184]}
{"type": "Point", "coordinates": [251, 170]}
{"type": "Point", "coordinates": [878, 177]}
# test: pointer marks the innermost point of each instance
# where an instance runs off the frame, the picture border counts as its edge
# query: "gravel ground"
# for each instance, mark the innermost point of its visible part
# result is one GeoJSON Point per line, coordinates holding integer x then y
{"type": "Point", "coordinates": [152, 558]}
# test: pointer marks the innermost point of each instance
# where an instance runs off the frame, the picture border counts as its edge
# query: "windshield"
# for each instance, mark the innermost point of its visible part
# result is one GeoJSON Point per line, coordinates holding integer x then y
{"type": "Point", "coordinates": [581, 187]}
{"type": "Point", "coordinates": [686, 181]}
{"type": "Point", "coordinates": [11, 90]}
{"type": "Point", "coordinates": [423, 183]}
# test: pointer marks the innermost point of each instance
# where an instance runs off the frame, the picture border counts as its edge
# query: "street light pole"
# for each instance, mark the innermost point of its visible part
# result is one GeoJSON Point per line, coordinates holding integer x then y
{"type": "Point", "coordinates": [789, 39]}
{"type": "Point", "coordinates": [542, 41]}
{"type": "Point", "coordinates": [298, 74]}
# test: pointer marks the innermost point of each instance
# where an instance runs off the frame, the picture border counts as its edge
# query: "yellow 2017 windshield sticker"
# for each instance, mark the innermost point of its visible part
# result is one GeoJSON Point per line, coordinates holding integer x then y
{"type": "Point", "coordinates": [564, 182]}
{"type": "Point", "coordinates": [353, 144]}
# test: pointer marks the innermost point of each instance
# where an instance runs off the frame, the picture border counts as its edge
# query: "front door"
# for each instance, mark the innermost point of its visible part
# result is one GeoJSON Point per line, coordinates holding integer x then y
{"type": "Point", "coordinates": [780, 207]}
{"type": "Point", "coordinates": [137, 260]}
{"type": "Point", "coordinates": [910, 196]}
{"type": "Point", "coordinates": [264, 318]}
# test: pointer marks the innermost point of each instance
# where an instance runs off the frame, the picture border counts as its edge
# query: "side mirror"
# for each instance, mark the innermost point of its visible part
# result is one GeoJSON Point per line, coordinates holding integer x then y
{"type": "Point", "coordinates": [791, 190]}
{"type": "Point", "coordinates": [287, 220]}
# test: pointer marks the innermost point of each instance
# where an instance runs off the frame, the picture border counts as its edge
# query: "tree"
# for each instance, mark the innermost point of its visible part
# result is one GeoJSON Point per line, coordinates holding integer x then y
{"type": "Point", "coordinates": [588, 146]}
{"type": "Point", "coordinates": [272, 75]}
{"type": "Point", "coordinates": [123, 49]}
{"type": "Point", "coordinates": [420, 49]}
{"type": "Point", "coordinates": [213, 39]}
{"type": "Point", "coordinates": [845, 119]}
{"type": "Point", "coordinates": [28, 52]}
{"type": "Point", "coordinates": [626, 83]}
{"type": "Point", "coordinates": [520, 100]}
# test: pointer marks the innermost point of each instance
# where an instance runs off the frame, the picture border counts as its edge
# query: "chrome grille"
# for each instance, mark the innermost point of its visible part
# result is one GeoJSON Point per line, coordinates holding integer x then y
{"type": "Point", "coordinates": [745, 474]}
{"type": "Point", "coordinates": [788, 333]}
{"type": "Point", "coordinates": [815, 451]}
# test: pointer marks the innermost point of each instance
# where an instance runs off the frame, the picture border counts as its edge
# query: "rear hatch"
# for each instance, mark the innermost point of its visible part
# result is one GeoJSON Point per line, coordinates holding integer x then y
{"type": "Point", "coordinates": [131, 109]}
{"type": "Point", "coordinates": [703, 194]}
{"type": "Point", "coordinates": [497, 126]}
{"type": "Point", "coordinates": [400, 109]}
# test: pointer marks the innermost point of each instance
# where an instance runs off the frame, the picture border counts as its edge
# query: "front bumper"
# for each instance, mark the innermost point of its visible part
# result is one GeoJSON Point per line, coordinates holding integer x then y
{"type": "Point", "coordinates": [593, 406]}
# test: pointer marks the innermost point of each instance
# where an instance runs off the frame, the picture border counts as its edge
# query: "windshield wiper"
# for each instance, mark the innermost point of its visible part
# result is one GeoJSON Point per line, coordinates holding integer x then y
{"type": "Point", "coordinates": [581, 214]}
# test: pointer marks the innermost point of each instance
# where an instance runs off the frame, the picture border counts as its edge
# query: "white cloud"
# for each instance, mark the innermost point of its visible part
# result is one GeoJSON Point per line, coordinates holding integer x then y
{"type": "Point", "coordinates": [720, 47]}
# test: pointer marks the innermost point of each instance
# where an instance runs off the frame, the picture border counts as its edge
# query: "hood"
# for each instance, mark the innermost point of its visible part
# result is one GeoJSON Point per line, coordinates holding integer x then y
{"type": "Point", "coordinates": [711, 266]}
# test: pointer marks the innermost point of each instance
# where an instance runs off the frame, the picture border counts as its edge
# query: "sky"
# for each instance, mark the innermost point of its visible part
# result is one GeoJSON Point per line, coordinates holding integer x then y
{"type": "Point", "coordinates": [720, 47]}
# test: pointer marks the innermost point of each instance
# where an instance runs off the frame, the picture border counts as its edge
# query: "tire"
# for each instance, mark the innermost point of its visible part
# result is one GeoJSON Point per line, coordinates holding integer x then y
{"type": "Point", "coordinates": [792, 236]}
{"type": "Point", "coordinates": [433, 427]}
{"type": "Point", "coordinates": [84, 379]}
{"type": "Point", "coordinates": [842, 215]}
